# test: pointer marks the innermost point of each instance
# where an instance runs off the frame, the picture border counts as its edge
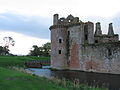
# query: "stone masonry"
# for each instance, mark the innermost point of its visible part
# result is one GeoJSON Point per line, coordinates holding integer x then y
{"type": "Point", "coordinates": [75, 46]}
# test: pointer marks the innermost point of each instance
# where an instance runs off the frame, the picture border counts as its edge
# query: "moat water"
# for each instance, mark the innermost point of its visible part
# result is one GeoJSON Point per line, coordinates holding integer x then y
{"type": "Point", "coordinates": [110, 81]}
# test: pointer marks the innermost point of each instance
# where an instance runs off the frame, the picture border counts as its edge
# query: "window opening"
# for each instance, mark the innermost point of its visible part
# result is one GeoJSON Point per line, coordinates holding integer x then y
{"type": "Point", "coordinates": [60, 40]}
{"type": "Point", "coordinates": [68, 32]}
{"type": "Point", "coordinates": [109, 52]}
{"type": "Point", "coordinates": [96, 41]}
{"type": "Point", "coordinates": [59, 51]}
{"type": "Point", "coordinates": [86, 37]}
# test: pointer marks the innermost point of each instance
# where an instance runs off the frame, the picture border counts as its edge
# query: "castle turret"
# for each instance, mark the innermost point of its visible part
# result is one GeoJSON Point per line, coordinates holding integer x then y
{"type": "Point", "coordinates": [58, 43]}
{"type": "Point", "coordinates": [110, 30]}
{"type": "Point", "coordinates": [98, 30]}
{"type": "Point", "coordinates": [55, 19]}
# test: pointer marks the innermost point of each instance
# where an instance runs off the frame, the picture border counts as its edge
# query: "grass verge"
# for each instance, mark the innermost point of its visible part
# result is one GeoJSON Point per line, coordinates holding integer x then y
{"type": "Point", "coordinates": [15, 80]}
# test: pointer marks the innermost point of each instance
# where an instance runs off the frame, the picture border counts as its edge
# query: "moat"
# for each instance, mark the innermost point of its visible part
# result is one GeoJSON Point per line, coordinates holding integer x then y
{"type": "Point", "coordinates": [111, 81]}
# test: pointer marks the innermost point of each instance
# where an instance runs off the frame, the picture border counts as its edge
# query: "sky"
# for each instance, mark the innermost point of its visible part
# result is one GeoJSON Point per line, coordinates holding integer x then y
{"type": "Point", "coordinates": [28, 21]}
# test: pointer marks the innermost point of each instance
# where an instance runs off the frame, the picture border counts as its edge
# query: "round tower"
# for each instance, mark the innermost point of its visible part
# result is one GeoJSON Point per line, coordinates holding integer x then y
{"type": "Point", "coordinates": [58, 44]}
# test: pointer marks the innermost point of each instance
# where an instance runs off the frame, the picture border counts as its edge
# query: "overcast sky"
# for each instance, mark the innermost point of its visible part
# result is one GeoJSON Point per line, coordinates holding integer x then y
{"type": "Point", "coordinates": [28, 21]}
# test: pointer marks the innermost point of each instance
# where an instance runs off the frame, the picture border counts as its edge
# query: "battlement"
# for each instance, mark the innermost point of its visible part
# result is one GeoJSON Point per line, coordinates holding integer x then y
{"type": "Point", "coordinates": [65, 21]}
{"type": "Point", "coordinates": [88, 27]}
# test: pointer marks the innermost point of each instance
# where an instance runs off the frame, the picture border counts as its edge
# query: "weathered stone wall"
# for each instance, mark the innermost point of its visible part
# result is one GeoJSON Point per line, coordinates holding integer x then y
{"type": "Point", "coordinates": [58, 48]}
{"type": "Point", "coordinates": [75, 39]}
{"type": "Point", "coordinates": [101, 58]}
{"type": "Point", "coordinates": [74, 46]}
{"type": "Point", "coordinates": [106, 38]}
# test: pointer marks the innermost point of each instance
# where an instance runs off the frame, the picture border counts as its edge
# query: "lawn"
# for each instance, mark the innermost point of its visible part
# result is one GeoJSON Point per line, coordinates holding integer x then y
{"type": "Point", "coordinates": [18, 60]}
{"type": "Point", "coordinates": [14, 80]}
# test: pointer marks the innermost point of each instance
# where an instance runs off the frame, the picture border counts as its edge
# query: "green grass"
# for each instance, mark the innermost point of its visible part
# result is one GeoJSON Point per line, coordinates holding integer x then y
{"type": "Point", "coordinates": [14, 80]}
{"type": "Point", "coordinates": [18, 60]}
{"type": "Point", "coordinates": [11, 79]}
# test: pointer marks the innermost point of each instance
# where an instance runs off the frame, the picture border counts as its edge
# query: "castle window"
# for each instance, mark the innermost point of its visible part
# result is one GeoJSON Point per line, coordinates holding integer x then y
{"type": "Point", "coordinates": [109, 52]}
{"type": "Point", "coordinates": [62, 20]}
{"type": "Point", "coordinates": [60, 40]}
{"type": "Point", "coordinates": [69, 20]}
{"type": "Point", "coordinates": [59, 51]}
{"type": "Point", "coordinates": [86, 37]}
{"type": "Point", "coordinates": [96, 41]}
{"type": "Point", "coordinates": [68, 32]}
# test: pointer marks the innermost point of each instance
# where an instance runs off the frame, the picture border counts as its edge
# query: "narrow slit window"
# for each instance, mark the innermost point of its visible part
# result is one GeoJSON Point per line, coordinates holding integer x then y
{"type": "Point", "coordinates": [109, 52]}
{"type": "Point", "coordinates": [59, 51]}
{"type": "Point", "coordinates": [68, 32]}
{"type": "Point", "coordinates": [86, 37]}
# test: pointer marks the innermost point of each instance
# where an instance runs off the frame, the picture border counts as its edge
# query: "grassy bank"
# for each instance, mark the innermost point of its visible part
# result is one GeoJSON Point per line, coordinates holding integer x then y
{"type": "Point", "coordinates": [18, 60]}
{"type": "Point", "coordinates": [14, 80]}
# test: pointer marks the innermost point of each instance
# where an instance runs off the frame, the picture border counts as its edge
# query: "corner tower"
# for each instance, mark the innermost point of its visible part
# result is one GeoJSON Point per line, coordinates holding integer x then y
{"type": "Point", "coordinates": [58, 43]}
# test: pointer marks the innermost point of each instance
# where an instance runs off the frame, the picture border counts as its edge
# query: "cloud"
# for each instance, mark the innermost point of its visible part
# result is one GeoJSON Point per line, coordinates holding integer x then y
{"type": "Point", "coordinates": [34, 26]}
{"type": "Point", "coordinates": [64, 7]}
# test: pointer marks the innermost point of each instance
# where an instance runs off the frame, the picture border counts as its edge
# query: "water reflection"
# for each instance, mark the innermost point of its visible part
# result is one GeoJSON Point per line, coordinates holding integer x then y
{"type": "Point", "coordinates": [94, 79]}
{"type": "Point", "coordinates": [45, 72]}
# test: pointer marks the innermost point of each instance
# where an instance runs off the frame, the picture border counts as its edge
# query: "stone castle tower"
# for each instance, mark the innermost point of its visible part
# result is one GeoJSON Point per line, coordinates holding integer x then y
{"type": "Point", "coordinates": [75, 46]}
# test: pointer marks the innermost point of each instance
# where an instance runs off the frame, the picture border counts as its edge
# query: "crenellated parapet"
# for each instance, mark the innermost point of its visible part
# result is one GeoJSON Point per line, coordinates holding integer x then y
{"type": "Point", "coordinates": [88, 29]}
{"type": "Point", "coordinates": [65, 22]}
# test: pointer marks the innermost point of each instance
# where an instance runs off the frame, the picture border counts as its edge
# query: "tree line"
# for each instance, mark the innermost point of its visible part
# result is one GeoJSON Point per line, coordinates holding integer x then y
{"type": "Point", "coordinates": [43, 50]}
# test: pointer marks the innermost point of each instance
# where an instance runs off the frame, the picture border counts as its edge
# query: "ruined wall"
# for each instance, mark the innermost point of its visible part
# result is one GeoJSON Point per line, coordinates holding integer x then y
{"type": "Point", "coordinates": [101, 58]}
{"type": "Point", "coordinates": [106, 38]}
{"type": "Point", "coordinates": [75, 39]}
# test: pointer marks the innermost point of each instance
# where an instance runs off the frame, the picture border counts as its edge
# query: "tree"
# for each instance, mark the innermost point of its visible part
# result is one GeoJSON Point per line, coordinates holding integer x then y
{"type": "Point", "coordinates": [35, 51]}
{"type": "Point", "coordinates": [44, 50]}
{"type": "Point", "coordinates": [4, 50]}
{"type": "Point", "coordinates": [8, 41]}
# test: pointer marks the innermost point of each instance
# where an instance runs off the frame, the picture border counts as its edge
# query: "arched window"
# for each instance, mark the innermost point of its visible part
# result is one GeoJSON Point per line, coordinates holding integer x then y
{"type": "Point", "coordinates": [60, 40]}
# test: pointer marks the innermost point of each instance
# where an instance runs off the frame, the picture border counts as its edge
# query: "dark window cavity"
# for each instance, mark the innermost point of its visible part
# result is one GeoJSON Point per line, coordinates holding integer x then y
{"type": "Point", "coordinates": [68, 33]}
{"type": "Point", "coordinates": [60, 40]}
{"type": "Point", "coordinates": [59, 51]}
{"type": "Point", "coordinates": [86, 37]}
{"type": "Point", "coordinates": [96, 41]}
{"type": "Point", "coordinates": [86, 33]}
{"type": "Point", "coordinates": [109, 52]}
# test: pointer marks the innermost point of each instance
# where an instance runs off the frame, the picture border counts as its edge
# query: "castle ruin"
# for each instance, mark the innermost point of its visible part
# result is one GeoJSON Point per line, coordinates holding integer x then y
{"type": "Point", "coordinates": [75, 46]}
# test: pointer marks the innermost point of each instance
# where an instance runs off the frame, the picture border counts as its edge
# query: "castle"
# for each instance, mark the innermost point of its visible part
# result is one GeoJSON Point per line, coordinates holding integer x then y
{"type": "Point", "coordinates": [75, 46]}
